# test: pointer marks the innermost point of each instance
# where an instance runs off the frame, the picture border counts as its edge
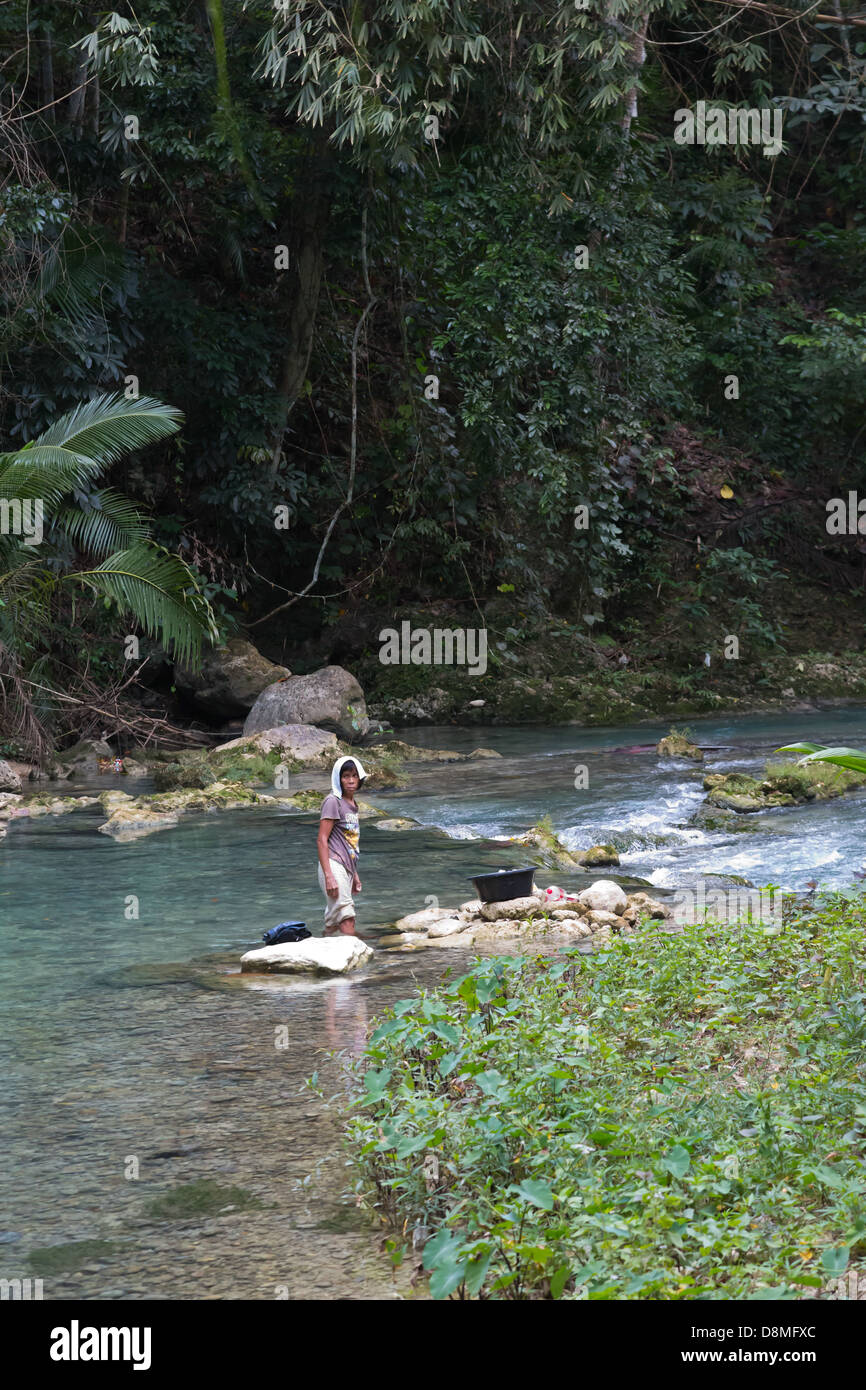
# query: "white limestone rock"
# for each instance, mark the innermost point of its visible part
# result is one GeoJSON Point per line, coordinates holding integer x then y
{"type": "Point", "coordinates": [604, 919]}
{"type": "Point", "coordinates": [605, 896]}
{"type": "Point", "coordinates": [511, 907]}
{"type": "Point", "coordinates": [447, 926]}
{"type": "Point", "coordinates": [423, 920]}
{"type": "Point", "coordinates": [318, 955]}
{"type": "Point", "coordinates": [649, 906]}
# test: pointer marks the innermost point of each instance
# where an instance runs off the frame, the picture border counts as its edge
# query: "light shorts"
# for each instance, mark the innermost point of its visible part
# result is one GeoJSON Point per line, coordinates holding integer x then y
{"type": "Point", "coordinates": [343, 906]}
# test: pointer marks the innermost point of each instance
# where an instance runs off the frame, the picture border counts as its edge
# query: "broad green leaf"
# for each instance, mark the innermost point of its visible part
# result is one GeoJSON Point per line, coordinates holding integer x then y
{"type": "Point", "coordinates": [540, 1194]}
{"type": "Point", "coordinates": [677, 1161]}
{"type": "Point", "coordinates": [835, 1260]}
{"type": "Point", "coordinates": [446, 1277]}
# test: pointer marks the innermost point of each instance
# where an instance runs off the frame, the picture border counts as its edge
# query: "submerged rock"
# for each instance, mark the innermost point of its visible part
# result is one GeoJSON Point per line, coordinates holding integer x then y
{"type": "Point", "coordinates": [318, 955]}
{"type": "Point", "coordinates": [130, 818]}
{"type": "Point", "coordinates": [397, 823]}
{"type": "Point", "coordinates": [56, 805]}
{"type": "Point", "coordinates": [421, 920]}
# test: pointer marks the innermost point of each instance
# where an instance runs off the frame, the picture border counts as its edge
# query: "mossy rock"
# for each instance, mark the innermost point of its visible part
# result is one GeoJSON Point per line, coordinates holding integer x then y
{"type": "Point", "coordinates": [385, 776]}
{"type": "Point", "coordinates": [550, 852]}
{"type": "Point", "coordinates": [65, 1259]}
{"type": "Point", "coordinates": [708, 817]}
{"type": "Point", "coordinates": [306, 801]}
{"type": "Point", "coordinates": [734, 791]}
{"type": "Point", "coordinates": [678, 746]}
{"type": "Point", "coordinates": [176, 776]}
{"type": "Point", "coordinates": [598, 855]}
{"type": "Point", "coordinates": [201, 1198]}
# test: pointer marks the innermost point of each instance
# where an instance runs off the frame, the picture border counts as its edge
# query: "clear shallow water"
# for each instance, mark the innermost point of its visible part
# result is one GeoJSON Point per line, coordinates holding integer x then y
{"type": "Point", "coordinates": [133, 1038]}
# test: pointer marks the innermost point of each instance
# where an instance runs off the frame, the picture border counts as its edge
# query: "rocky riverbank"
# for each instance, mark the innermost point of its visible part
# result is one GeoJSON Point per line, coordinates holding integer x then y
{"type": "Point", "coordinates": [602, 910]}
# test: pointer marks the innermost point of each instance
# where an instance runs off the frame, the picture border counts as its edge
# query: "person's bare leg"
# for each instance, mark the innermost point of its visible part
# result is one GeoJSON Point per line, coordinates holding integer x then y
{"type": "Point", "coordinates": [347, 926]}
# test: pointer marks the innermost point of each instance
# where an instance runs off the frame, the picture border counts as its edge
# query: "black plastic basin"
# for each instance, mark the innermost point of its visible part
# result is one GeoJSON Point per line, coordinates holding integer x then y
{"type": "Point", "coordinates": [507, 883]}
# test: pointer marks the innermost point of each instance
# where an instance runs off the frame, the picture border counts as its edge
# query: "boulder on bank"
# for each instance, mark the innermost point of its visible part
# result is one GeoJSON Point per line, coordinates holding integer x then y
{"type": "Point", "coordinates": [9, 779]}
{"type": "Point", "coordinates": [330, 698]}
{"type": "Point", "coordinates": [228, 679]}
{"type": "Point", "coordinates": [82, 759]}
{"type": "Point", "coordinates": [318, 955]}
{"type": "Point", "coordinates": [678, 746]}
{"type": "Point", "coordinates": [605, 896]}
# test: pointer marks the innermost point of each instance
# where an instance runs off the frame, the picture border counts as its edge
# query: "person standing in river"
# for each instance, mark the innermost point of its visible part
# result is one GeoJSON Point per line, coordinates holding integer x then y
{"type": "Point", "coordinates": [339, 834]}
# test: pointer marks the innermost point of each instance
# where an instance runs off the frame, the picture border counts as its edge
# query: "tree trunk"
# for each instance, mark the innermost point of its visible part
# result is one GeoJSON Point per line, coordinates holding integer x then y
{"type": "Point", "coordinates": [79, 91]}
{"type": "Point", "coordinates": [638, 55]}
{"type": "Point", "coordinates": [46, 76]}
{"type": "Point", "coordinates": [311, 209]}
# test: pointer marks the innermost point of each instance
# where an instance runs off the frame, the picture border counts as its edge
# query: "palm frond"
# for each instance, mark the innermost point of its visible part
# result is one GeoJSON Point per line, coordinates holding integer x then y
{"type": "Point", "coordinates": [853, 758]}
{"type": "Point", "coordinates": [45, 471]}
{"type": "Point", "coordinates": [110, 522]}
{"type": "Point", "coordinates": [110, 426]}
{"type": "Point", "coordinates": [160, 591]}
{"type": "Point", "coordinates": [75, 273]}
{"type": "Point", "coordinates": [72, 275]}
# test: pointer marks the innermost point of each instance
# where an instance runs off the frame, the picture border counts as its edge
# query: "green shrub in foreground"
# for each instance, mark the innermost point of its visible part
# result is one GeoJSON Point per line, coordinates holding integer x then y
{"type": "Point", "coordinates": [681, 1117]}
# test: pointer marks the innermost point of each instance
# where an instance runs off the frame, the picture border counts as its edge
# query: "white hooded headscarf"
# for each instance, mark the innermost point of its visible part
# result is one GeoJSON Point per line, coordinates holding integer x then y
{"type": "Point", "coordinates": [337, 768]}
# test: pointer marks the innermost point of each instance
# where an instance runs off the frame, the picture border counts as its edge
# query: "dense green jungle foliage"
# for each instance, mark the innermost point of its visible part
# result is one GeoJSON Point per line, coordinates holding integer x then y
{"type": "Point", "coordinates": [284, 220]}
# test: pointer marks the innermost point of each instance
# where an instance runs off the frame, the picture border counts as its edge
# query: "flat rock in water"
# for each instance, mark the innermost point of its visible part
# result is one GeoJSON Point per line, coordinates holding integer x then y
{"type": "Point", "coordinates": [396, 823]}
{"type": "Point", "coordinates": [423, 920]}
{"type": "Point", "coordinates": [447, 926]}
{"type": "Point", "coordinates": [318, 955]}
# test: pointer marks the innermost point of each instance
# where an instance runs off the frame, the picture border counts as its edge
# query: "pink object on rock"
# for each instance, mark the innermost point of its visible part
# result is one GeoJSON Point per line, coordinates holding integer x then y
{"type": "Point", "coordinates": [556, 895]}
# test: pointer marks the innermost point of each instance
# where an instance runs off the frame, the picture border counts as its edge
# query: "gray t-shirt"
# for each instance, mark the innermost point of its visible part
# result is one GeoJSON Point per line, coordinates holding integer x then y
{"type": "Point", "coordinates": [345, 834]}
